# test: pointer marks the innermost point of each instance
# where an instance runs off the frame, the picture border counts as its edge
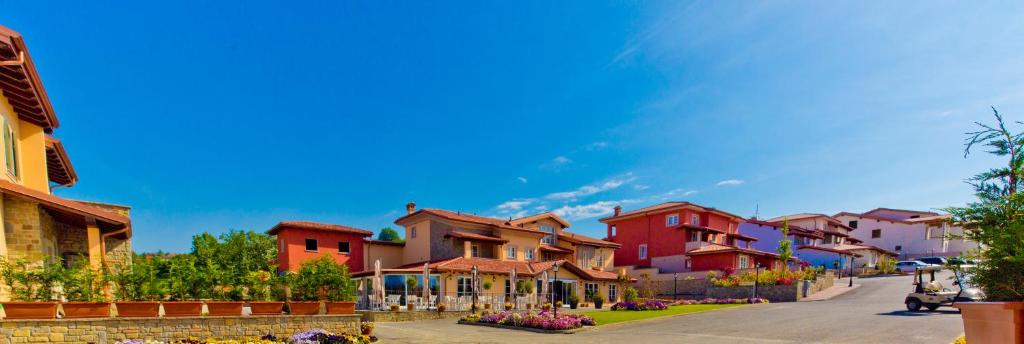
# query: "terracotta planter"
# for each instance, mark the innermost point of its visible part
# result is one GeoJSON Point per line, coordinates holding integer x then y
{"type": "Point", "coordinates": [304, 308]}
{"type": "Point", "coordinates": [993, 322]}
{"type": "Point", "coordinates": [183, 308]}
{"type": "Point", "coordinates": [30, 310]}
{"type": "Point", "coordinates": [224, 308]}
{"type": "Point", "coordinates": [137, 309]}
{"type": "Point", "coordinates": [410, 307]}
{"type": "Point", "coordinates": [342, 307]}
{"type": "Point", "coordinates": [86, 309]}
{"type": "Point", "coordinates": [266, 308]}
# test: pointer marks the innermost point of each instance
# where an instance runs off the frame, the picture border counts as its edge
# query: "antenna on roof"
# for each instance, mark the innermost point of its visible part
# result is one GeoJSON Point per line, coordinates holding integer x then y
{"type": "Point", "coordinates": [757, 208]}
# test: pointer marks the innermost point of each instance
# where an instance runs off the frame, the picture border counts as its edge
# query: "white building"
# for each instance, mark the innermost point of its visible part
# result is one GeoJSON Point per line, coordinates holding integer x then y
{"type": "Point", "coordinates": [911, 234]}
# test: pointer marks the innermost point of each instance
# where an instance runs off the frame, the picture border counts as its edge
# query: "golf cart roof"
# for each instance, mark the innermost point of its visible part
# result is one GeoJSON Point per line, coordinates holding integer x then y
{"type": "Point", "coordinates": [929, 268]}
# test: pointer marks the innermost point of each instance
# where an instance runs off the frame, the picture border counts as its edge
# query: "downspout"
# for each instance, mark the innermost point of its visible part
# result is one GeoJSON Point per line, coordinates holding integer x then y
{"type": "Point", "coordinates": [103, 241]}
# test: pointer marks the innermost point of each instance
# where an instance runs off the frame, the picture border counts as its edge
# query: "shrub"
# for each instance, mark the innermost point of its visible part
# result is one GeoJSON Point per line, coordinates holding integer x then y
{"type": "Point", "coordinates": [630, 294]}
{"type": "Point", "coordinates": [322, 278]}
{"type": "Point", "coordinates": [83, 283]}
{"type": "Point", "coordinates": [139, 281]}
{"type": "Point", "coordinates": [543, 320]}
{"type": "Point", "coordinates": [650, 305]}
{"type": "Point", "coordinates": [574, 301]}
{"type": "Point", "coordinates": [33, 283]}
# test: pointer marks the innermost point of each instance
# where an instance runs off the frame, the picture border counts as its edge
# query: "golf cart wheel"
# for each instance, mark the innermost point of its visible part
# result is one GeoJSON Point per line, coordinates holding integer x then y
{"type": "Point", "coordinates": [931, 307]}
{"type": "Point", "coordinates": [913, 305]}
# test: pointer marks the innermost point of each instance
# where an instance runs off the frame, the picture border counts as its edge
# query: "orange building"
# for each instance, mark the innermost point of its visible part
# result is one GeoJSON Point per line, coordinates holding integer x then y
{"type": "Point", "coordinates": [298, 241]}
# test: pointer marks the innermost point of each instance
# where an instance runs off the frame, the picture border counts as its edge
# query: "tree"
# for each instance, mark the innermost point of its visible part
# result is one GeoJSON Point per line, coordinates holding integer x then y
{"type": "Point", "coordinates": [1001, 180]}
{"type": "Point", "coordinates": [388, 234]}
{"type": "Point", "coordinates": [785, 246]}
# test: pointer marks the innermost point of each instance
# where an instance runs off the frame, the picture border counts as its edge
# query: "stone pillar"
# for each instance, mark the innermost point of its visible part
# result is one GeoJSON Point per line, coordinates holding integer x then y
{"type": "Point", "coordinates": [95, 248]}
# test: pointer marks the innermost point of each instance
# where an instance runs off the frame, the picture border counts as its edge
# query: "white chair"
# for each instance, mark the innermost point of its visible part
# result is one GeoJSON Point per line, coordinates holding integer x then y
{"type": "Point", "coordinates": [412, 299]}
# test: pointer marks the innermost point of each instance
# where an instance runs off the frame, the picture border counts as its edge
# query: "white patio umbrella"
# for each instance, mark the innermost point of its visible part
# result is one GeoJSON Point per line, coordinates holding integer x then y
{"type": "Point", "coordinates": [544, 286]}
{"type": "Point", "coordinates": [512, 284]}
{"type": "Point", "coordinates": [378, 280]}
{"type": "Point", "coordinates": [426, 283]}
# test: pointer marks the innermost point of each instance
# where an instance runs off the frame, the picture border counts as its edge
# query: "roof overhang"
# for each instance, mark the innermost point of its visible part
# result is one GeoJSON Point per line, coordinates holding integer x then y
{"type": "Point", "coordinates": [475, 237]}
{"type": "Point", "coordinates": [74, 211]}
{"type": "Point", "coordinates": [58, 165]}
{"type": "Point", "coordinates": [21, 84]}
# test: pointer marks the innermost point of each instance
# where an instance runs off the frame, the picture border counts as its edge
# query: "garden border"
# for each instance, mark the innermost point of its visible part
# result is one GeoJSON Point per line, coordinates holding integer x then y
{"type": "Point", "coordinates": [530, 329]}
{"type": "Point", "coordinates": [675, 315]}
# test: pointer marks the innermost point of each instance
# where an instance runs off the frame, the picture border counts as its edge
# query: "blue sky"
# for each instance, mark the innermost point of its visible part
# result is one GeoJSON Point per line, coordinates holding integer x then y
{"type": "Point", "coordinates": [207, 117]}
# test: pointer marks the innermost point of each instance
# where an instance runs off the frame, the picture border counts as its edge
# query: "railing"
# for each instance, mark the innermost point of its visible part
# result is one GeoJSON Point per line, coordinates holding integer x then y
{"type": "Point", "coordinates": [451, 301]}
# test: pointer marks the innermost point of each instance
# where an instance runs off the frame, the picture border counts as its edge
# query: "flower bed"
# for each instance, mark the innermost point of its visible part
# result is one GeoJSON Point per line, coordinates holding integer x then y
{"type": "Point", "coordinates": [711, 301]}
{"type": "Point", "coordinates": [544, 320]}
{"type": "Point", "coordinates": [314, 336]}
{"type": "Point", "coordinates": [649, 305]}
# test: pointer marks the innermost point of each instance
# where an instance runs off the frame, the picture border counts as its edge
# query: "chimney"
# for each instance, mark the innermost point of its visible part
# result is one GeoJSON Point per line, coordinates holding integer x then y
{"type": "Point", "coordinates": [410, 207]}
{"type": "Point", "coordinates": [618, 210]}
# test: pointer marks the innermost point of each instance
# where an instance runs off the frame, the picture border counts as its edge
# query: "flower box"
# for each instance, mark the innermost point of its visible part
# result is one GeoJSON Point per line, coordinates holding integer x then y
{"type": "Point", "coordinates": [183, 308]}
{"type": "Point", "coordinates": [86, 309]}
{"type": "Point", "coordinates": [30, 310]}
{"type": "Point", "coordinates": [137, 309]}
{"type": "Point", "coordinates": [304, 308]}
{"type": "Point", "coordinates": [266, 308]}
{"type": "Point", "coordinates": [993, 322]}
{"type": "Point", "coordinates": [341, 307]}
{"type": "Point", "coordinates": [224, 308]}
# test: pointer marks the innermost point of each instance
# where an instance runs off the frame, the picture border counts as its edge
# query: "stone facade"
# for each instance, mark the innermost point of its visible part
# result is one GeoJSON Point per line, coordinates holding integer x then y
{"type": "Point", "coordinates": [102, 331]}
{"type": "Point", "coordinates": [774, 293]}
{"type": "Point", "coordinates": [23, 230]}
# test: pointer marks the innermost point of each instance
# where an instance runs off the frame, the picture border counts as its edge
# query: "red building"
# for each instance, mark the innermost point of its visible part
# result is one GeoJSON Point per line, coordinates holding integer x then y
{"type": "Point", "coordinates": [683, 237]}
{"type": "Point", "coordinates": [298, 241]}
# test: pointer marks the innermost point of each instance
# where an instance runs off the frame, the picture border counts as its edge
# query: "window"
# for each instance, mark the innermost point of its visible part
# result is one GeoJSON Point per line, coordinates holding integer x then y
{"type": "Point", "coordinates": [589, 290]}
{"type": "Point", "coordinates": [528, 252]}
{"type": "Point", "coordinates": [343, 247]}
{"type": "Point", "coordinates": [550, 238]}
{"type": "Point", "coordinates": [876, 233]}
{"type": "Point", "coordinates": [475, 251]}
{"type": "Point", "coordinates": [600, 261]}
{"type": "Point", "coordinates": [613, 230]}
{"type": "Point", "coordinates": [694, 236]}
{"type": "Point", "coordinates": [695, 220]}
{"type": "Point", "coordinates": [10, 149]}
{"type": "Point", "coordinates": [643, 251]}
{"type": "Point", "coordinates": [672, 220]}
{"type": "Point", "coordinates": [583, 256]}
{"type": "Point", "coordinates": [730, 228]}
{"type": "Point", "coordinates": [510, 252]}
{"type": "Point", "coordinates": [688, 263]}
{"type": "Point", "coordinates": [899, 248]}
{"type": "Point", "coordinates": [508, 289]}
{"type": "Point", "coordinates": [311, 245]}
{"type": "Point", "coordinates": [744, 262]}
{"type": "Point", "coordinates": [412, 232]}
{"type": "Point", "coordinates": [613, 292]}
{"type": "Point", "coordinates": [935, 232]}
{"type": "Point", "coordinates": [465, 286]}
{"type": "Point", "coordinates": [828, 239]}
{"type": "Point", "coordinates": [853, 224]}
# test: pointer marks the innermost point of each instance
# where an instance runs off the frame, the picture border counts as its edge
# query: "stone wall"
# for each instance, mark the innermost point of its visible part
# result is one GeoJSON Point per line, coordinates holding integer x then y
{"type": "Point", "coordinates": [119, 252]}
{"type": "Point", "coordinates": [409, 316]}
{"type": "Point", "coordinates": [774, 293]}
{"type": "Point", "coordinates": [101, 331]}
{"type": "Point", "coordinates": [687, 288]}
{"type": "Point", "coordinates": [22, 229]}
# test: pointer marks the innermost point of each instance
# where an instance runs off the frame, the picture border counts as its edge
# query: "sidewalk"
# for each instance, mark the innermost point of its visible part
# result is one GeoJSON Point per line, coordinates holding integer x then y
{"type": "Point", "coordinates": [827, 294]}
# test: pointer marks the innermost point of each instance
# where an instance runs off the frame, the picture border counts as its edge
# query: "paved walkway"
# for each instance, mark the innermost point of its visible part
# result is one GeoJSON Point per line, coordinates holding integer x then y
{"type": "Point", "coordinates": [833, 291]}
{"type": "Point", "coordinates": [872, 313]}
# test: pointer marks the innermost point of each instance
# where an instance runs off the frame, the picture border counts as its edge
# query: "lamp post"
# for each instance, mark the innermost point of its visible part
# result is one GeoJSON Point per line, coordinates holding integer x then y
{"type": "Point", "coordinates": [474, 281]}
{"type": "Point", "coordinates": [553, 305]}
{"type": "Point", "coordinates": [851, 271]}
{"type": "Point", "coordinates": [757, 271]}
{"type": "Point", "coordinates": [675, 288]}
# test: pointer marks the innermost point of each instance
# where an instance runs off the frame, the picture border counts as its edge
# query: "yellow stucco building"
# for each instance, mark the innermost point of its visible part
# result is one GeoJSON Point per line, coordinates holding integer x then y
{"type": "Point", "coordinates": [37, 224]}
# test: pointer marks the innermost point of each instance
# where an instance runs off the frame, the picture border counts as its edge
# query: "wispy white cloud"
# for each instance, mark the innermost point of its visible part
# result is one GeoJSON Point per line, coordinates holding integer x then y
{"type": "Point", "coordinates": [522, 179]}
{"type": "Point", "coordinates": [729, 182]}
{"type": "Point", "coordinates": [640, 187]}
{"type": "Point", "coordinates": [597, 145]}
{"type": "Point", "coordinates": [583, 211]}
{"type": "Point", "coordinates": [561, 160]}
{"type": "Point", "coordinates": [514, 205]}
{"type": "Point", "coordinates": [559, 163]}
{"type": "Point", "coordinates": [674, 193]}
{"type": "Point", "coordinates": [588, 190]}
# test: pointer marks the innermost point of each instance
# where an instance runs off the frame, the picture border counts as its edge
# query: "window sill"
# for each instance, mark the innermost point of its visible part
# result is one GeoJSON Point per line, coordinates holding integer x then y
{"type": "Point", "coordinates": [345, 253]}
{"type": "Point", "coordinates": [314, 251]}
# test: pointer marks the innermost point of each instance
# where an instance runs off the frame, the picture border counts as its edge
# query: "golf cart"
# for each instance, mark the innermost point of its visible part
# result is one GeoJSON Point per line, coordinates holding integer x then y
{"type": "Point", "coordinates": [932, 294]}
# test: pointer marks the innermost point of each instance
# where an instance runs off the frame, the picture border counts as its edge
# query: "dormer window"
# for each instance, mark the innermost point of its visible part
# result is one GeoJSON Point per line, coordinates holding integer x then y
{"type": "Point", "coordinates": [672, 220]}
{"type": "Point", "coordinates": [550, 238]}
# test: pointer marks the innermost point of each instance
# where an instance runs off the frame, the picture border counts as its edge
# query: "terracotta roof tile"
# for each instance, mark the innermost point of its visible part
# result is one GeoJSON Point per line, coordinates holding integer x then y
{"type": "Point", "coordinates": [668, 206]}
{"type": "Point", "coordinates": [585, 240]}
{"type": "Point", "coordinates": [317, 227]}
{"type": "Point", "coordinates": [64, 204]}
{"type": "Point", "coordinates": [459, 216]}
{"type": "Point", "coordinates": [541, 216]}
{"type": "Point", "coordinates": [556, 249]}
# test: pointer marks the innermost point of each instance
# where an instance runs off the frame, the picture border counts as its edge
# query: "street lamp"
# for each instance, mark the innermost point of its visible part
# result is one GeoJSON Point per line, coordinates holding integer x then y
{"type": "Point", "coordinates": [757, 270]}
{"type": "Point", "coordinates": [553, 306]}
{"type": "Point", "coordinates": [851, 271]}
{"type": "Point", "coordinates": [474, 281]}
{"type": "Point", "coordinates": [675, 288]}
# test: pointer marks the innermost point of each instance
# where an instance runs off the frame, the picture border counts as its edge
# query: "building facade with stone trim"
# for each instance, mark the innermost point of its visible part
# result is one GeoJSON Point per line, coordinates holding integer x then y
{"type": "Point", "coordinates": [38, 225]}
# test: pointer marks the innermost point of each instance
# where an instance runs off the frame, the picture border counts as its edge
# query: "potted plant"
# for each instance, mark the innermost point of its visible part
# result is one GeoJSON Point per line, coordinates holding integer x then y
{"type": "Point", "coordinates": [598, 300]}
{"type": "Point", "coordinates": [366, 328]}
{"type": "Point", "coordinates": [509, 306]}
{"type": "Point", "coordinates": [441, 308]}
{"type": "Point", "coordinates": [546, 307]}
{"type": "Point", "coordinates": [188, 284]}
{"type": "Point", "coordinates": [411, 282]}
{"type": "Point", "coordinates": [558, 304]}
{"type": "Point", "coordinates": [574, 301]}
{"type": "Point", "coordinates": [395, 308]}
{"type": "Point", "coordinates": [31, 288]}
{"type": "Point", "coordinates": [487, 288]}
{"type": "Point", "coordinates": [996, 223]}
{"type": "Point", "coordinates": [227, 301]}
{"type": "Point", "coordinates": [137, 291]}
{"type": "Point", "coordinates": [265, 293]}
{"type": "Point", "coordinates": [303, 299]}
{"type": "Point", "coordinates": [84, 290]}
{"type": "Point", "coordinates": [338, 287]}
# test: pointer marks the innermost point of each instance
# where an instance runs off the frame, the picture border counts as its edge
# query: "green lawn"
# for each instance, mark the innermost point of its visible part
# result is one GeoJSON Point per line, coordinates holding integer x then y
{"type": "Point", "coordinates": [611, 317]}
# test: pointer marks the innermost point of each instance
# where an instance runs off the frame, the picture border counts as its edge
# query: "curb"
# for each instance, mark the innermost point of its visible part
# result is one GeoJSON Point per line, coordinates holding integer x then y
{"type": "Point", "coordinates": [848, 289]}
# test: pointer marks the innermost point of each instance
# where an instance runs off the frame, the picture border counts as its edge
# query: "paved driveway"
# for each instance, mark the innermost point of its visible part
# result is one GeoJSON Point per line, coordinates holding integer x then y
{"type": "Point", "coordinates": [873, 313]}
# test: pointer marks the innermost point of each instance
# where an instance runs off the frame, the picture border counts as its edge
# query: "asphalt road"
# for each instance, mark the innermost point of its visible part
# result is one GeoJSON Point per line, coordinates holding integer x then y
{"type": "Point", "coordinates": [873, 313]}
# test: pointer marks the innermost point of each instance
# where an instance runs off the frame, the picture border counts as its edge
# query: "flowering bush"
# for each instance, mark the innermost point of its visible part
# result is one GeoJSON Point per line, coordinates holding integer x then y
{"type": "Point", "coordinates": [543, 320]}
{"type": "Point", "coordinates": [711, 301]}
{"type": "Point", "coordinates": [650, 305]}
{"type": "Point", "coordinates": [314, 336]}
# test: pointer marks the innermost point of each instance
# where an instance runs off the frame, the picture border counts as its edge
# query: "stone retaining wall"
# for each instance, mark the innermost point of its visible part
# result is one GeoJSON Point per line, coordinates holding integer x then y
{"type": "Point", "coordinates": [410, 316]}
{"type": "Point", "coordinates": [774, 293]}
{"type": "Point", "coordinates": [108, 331]}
